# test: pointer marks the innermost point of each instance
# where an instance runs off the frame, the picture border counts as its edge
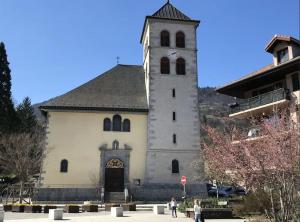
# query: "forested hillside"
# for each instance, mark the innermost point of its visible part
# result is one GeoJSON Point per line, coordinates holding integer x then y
{"type": "Point", "coordinates": [214, 109]}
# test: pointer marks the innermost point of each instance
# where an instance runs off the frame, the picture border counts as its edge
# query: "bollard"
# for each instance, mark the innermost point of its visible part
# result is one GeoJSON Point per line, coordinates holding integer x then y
{"type": "Point", "coordinates": [117, 211]}
{"type": "Point", "coordinates": [1, 216]}
{"type": "Point", "coordinates": [158, 209]}
{"type": "Point", "coordinates": [56, 214]}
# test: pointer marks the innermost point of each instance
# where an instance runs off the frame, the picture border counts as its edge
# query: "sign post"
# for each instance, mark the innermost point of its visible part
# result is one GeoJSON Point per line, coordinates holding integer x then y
{"type": "Point", "coordinates": [216, 186]}
{"type": "Point", "coordinates": [183, 182]}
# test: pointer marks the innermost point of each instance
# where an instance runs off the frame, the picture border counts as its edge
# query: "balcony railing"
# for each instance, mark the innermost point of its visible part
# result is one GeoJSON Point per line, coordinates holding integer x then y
{"type": "Point", "coordinates": [260, 100]}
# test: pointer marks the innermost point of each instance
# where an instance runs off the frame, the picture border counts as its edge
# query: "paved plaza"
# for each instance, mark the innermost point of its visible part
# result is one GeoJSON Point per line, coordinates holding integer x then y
{"type": "Point", "coordinates": [106, 217]}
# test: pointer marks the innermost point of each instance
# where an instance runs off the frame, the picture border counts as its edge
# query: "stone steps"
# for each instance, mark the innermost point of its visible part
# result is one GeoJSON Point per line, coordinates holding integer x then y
{"type": "Point", "coordinates": [115, 197]}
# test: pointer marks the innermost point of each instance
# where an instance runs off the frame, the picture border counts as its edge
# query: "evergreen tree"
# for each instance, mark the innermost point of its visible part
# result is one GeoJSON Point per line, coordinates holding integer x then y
{"type": "Point", "coordinates": [26, 117]}
{"type": "Point", "coordinates": [7, 111]}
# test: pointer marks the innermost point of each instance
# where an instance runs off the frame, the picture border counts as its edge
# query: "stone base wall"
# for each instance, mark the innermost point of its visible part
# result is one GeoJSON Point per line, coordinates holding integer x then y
{"type": "Point", "coordinates": [149, 192]}
{"type": "Point", "coordinates": [67, 194]}
{"type": "Point", "coordinates": [164, 192]}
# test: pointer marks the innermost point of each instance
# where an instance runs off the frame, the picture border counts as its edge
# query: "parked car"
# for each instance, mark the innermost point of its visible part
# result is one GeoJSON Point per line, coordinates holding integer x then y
{"type": "Point", "coordinates": [240, 191]}
{"type": "Point", "coordinates": [225, 191]}
{"type": "Point", "coordinates": [8, 180]}
{"type": "Point", "coordinates": [220, 191]}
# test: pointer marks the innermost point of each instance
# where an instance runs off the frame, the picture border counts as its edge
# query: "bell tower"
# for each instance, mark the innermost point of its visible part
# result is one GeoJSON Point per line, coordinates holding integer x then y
{"type": "Point", "coordinates": [171, 78]}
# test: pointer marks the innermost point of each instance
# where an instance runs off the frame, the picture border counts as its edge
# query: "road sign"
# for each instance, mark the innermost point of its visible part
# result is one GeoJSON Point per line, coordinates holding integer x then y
{"type": "Point", "coordinates": [183, 180]}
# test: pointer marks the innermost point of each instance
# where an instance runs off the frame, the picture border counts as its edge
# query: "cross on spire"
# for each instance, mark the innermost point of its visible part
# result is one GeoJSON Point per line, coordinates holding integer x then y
{"type": "Point", "coordinates": [118, 59]}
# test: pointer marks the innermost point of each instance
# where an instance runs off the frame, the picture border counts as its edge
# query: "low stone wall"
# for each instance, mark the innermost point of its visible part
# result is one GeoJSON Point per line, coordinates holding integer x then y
{"type": "Point", "coordinates": [211, 213]}
{"type": "Point", "coordinates": [148, 192]}
{"type": "Point", "coordinates": [66, 194]}
{"type": "Point", "coordinates": [164, 192]}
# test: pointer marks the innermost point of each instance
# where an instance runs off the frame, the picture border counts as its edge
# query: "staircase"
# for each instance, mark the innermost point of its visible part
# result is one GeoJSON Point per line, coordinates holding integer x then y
{"type": "Point", "coordinates": [114, 197]}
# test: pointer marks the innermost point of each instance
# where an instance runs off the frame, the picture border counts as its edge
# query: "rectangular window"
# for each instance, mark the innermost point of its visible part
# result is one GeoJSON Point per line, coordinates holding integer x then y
{"type": "Point", "coordinates": [283, 55]}
{"type": "Point", "coordinates": [295, 80]}
{"type": "Point", "coordinates": [174, 139]}
{"type": "Point", "coordinates": [174, 116]}
{"type": "Point", "coordinates": [173, 93]}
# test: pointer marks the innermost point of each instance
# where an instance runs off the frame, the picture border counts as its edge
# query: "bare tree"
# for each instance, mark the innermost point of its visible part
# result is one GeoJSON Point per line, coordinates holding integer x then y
{"type": "Point", "coordinates": [22, 154]}
{"type": "Point", "coordinates": [96, 184]}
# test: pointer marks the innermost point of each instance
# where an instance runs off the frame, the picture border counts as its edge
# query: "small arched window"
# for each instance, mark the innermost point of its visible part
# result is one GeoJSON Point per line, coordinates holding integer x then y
{"type": "Point", "coordinates": [164, 65]}
{"type": "Point", "coordinates": [117, 120]}
{"type": "Point", "coordinates": [126, 125]}
{"type": "Point", "coordinates": [64, 166]}
{"type": "Point", "coordinates": [180, 66]}
{"type": "Point", "coordinates": [180, 40]}
{"type": "Point", "coordinates": [165, 38]}
{"type": "Point", "coordinates": [107, 124]}
{"type": "Point", "coordinates": [175, 166]}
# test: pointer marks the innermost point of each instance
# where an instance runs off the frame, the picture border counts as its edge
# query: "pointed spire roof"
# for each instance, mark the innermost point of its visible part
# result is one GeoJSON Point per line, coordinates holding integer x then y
{"type": "Point", "coordinates": [168, 11]}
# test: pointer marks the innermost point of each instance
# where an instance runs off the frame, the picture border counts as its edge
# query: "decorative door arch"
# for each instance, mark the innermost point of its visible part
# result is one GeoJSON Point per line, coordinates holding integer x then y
{"type": "Point", "coordinates": [114, 175]}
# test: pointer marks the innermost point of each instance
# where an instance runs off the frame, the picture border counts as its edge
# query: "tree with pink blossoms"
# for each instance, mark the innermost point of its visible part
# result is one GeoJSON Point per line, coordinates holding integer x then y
{"type": "Point", "coordinates": [268, 161]}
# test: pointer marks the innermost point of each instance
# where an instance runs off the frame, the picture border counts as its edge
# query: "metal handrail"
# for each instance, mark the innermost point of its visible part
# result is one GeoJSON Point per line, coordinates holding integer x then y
{"type": "Point", "coordinates": [260, 100]}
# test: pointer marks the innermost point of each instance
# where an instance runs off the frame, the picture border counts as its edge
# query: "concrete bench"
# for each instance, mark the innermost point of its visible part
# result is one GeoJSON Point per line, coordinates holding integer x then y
{"type": "Point", "coordinates": [117, 211]}
{"type": "Point", "coordinates": [158, 209]}
{"type": "Point", "coordinates": [55, 214]}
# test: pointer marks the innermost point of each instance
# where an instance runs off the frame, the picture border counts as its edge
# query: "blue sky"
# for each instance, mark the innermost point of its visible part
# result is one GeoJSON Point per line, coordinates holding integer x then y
{"type": "Point", "coordinates": [56, 45]}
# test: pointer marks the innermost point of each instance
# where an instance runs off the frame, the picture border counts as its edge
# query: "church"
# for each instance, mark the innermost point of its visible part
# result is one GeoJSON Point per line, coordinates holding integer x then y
{"type": "Point", "coordinates": [134, 127]}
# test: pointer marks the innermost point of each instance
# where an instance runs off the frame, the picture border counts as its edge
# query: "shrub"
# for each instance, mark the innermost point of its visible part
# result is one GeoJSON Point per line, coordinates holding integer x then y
{"type": "Point", "coordinates": [253, 203]}
{"type": "Point", "coordinates": [185, 204]}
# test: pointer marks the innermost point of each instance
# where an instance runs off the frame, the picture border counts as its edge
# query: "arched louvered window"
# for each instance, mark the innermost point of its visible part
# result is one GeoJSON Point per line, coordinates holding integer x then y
{"type": "Point", "coordinates": [126, 125]}
{"type": "Point", "coordinates": [107, 124]}
{"type": "Point", "coordinates": [64, 166]}
{"type": "Point", "coordinates": [180, 66]}
{"type": "Point", "coordinates": [165, 38]}
{"type": "Point", "coordinates": [175, 166]}
{"type": "Point", "coordinates": [164, 65]}
{"type": "Point", "coordinates": [117, 123]}
{"type": "Point", "coordinates": [180, 40]}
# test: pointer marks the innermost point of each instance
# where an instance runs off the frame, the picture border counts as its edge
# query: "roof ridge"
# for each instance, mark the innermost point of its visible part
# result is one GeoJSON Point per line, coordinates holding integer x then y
{"type": "Point", "coordinates": [170, 11]}
{"type": "Point", "coordinates": [280, 37]}
{"type": "Point", "coordinates": [260, 71]}
{"type": "Point", "coordinates": [130, 65]}
{"type": "Point", "coordinates": [161, 8]}
{"type": "Point", "coordinates": [122, 86]}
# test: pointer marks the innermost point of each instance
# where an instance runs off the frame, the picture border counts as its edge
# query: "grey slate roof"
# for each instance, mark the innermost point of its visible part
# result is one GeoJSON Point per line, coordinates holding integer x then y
{"type": "Point", "coordinates": [168, 11]}
{"type": "Point", "coordinates": [121, 88]}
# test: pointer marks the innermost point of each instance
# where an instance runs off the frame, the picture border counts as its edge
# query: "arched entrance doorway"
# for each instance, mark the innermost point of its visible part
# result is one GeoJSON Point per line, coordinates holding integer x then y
{"type": "Point", "coordinates": [114, 176]}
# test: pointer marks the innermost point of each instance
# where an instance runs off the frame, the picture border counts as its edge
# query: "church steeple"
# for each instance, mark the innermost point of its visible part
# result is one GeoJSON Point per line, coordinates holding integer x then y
{"type": "Point", "coordinates": [170, 67]}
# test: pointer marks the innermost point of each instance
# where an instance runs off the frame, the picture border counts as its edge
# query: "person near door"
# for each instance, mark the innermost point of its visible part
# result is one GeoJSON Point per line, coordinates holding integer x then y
{"type": "Point", "coordinates": [173, 204]}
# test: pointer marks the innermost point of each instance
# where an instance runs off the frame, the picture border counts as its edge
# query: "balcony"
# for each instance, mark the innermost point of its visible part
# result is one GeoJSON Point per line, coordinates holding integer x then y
{"type": "Point", "coordinates": [259, 104]}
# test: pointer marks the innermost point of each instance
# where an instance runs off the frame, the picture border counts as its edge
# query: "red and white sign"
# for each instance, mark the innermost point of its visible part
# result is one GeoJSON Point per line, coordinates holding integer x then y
{"type": "Point", "coordinates": [183, 180]}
